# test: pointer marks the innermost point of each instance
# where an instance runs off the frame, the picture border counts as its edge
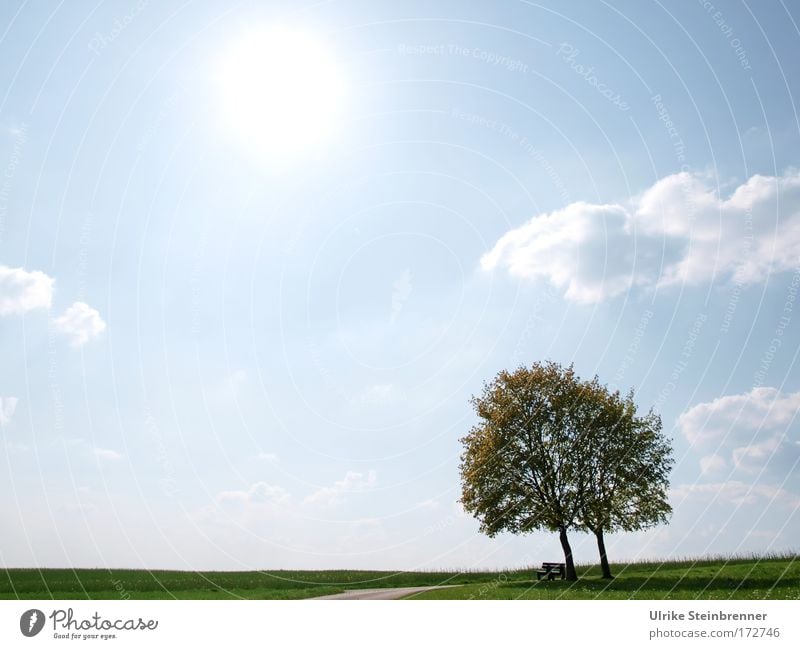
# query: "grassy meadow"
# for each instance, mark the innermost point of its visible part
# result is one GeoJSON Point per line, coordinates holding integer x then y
{"type": "Point", "coordinates": [734, 578]}
{"type": "Point", "coordinates": [764, 578]}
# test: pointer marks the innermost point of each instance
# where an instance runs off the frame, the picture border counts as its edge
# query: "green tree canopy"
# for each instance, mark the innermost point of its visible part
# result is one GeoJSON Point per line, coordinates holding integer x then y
{"type": "Point", "coordinates": [626, 461]}
{"type": "Point", "coordinates": [553, 452]}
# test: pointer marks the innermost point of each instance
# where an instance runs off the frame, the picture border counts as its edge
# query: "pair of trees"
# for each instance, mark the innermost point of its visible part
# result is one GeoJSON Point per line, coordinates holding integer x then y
{"type": "Point", "coordinates": [554, 452]}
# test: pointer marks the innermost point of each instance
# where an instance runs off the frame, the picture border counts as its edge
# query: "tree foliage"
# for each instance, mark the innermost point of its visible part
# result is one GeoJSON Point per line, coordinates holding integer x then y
{"type": "Point", "coordinates": [626, 461]}
{"type": "Point", "coordinates": [553, 452]}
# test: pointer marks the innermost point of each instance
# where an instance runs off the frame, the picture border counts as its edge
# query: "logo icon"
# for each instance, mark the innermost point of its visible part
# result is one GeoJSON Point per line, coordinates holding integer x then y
{"type": "Point", "coordinates": [31, 622]}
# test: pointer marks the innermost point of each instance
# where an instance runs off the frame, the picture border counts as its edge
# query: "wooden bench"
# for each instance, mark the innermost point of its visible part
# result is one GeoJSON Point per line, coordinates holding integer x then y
{"type": "Point", "coordinates": [551, 570]}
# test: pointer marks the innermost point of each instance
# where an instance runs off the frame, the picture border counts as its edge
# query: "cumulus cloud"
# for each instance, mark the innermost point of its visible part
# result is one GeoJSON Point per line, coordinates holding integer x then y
{"type": "Point", "coordinates": [679, 230]}
{"type": "Point", "coordinates": [584, 249]}
{"type": "Point", "coordinates": [106, 454]}
{"type": "Point", "coordinates": [756, 432]}
{"type": "Point", "coordinates": [737, 493]}
{"type": "Point", "coordinates": [263, 495]}
{"type": "Point", "coordinates": [713, 463]}
{"type": "Point", "coordinates": [730, 516]}
{"type": "Point", "coordinates": [260, 493]}
{"type": "Point", "coordinates": [7, 407]}
{"type": "Point", "coordinates": [254, 507]}
{"type": "Point", "coordinates": [22, 291]}
{"type": "Point", "coordinates": [353, 482]}
{"type": "Point", "coordinates": [80, 322]}
{"type": "Point", "coordinates": [264, 524]}
{"type": "Point", "coordinates": [761, 408]}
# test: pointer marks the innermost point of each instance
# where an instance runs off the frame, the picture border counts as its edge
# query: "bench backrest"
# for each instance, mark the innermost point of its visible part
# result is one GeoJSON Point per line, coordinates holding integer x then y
{"type": "Point", "coordinates": [553, 567]}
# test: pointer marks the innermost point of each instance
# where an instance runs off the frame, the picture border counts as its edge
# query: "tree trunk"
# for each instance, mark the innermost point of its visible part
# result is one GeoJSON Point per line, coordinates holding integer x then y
{"type": "Point", "coordinates": [571, 574]}
{"type": "Point", "coordinates": [601, 546]}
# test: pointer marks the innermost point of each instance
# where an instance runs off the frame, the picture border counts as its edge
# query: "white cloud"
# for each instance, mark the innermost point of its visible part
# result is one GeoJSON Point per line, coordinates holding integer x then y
{"type": "Point", "coordinates": [80, 322]}
{"type": "Point", "coordinates": [678, 230]}
{"type": "Point", "coordinates": [710, 464]}
{"type": "Point", "coordinates": [264, 495]}
{"type": "Point", "coordinates": [353, 482]}
{"type": "Point", "coordinates": [267, 457]}
{"type": "Point", "coordinates": [737, 493]}
{"type": "Point", "coordinates": [729, 517]}
{"type": "Point", "coordinates": [753, 457]}
{"type": "Point", "coordinates": [106, 454]}
{"type": "Point", "coordinates": [584, 249]}
{"type": "Point", "coordinates": [757, 431]}
{"type": "Point", "coordinates": [761, 408]}
{"type": "Point", "coordinates": [7, 407]}
{"type": "Point", "coordinates": [259, 493]}
{"type": "Point", "coordinates": [22, 291]}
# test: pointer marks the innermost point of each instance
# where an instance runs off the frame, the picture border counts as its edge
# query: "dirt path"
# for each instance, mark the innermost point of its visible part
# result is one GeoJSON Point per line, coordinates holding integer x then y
{"type": "Point", "coordinates": [380, 593]}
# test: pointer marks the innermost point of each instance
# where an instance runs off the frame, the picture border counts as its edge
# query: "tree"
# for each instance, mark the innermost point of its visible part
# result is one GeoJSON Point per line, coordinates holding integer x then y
{"type": "Point", "coordinates": [553, 452]}
{"type": "Point", "coordinates": [518, 469]}
{"type": "Point", "coordinates": [627, 462]}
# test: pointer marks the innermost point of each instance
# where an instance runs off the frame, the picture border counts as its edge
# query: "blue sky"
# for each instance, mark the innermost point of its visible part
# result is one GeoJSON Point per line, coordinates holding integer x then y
{"type": "Point", "coordinates": [241, 320]}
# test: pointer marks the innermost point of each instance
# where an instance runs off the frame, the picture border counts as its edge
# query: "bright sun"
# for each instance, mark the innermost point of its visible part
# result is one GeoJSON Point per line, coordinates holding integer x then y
{"type": "Point", "coordinates": [280, 91]}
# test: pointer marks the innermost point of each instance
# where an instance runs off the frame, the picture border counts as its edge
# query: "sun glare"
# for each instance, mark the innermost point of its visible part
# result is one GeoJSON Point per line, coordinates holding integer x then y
{"type": "Point", "coordinates": [280, 91]}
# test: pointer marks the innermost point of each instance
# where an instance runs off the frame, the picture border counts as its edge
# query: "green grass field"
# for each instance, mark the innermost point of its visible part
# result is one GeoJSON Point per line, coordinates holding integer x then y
{"type": "Point", "coordinates": [281, 584]}
{"type": "Point", "coordinates": [709, 579]}
{"type": "Point", "coordinates": [736, 578]}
